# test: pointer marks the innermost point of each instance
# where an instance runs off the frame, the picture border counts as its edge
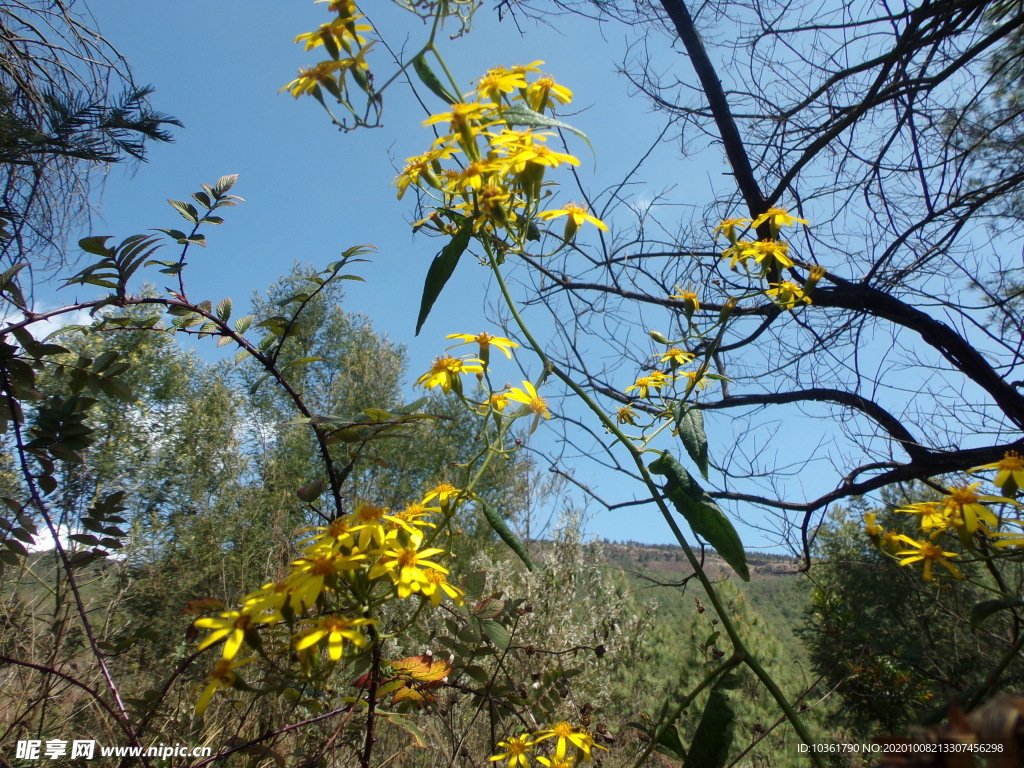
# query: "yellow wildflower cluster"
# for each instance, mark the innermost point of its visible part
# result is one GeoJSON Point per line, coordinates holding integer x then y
{"type": "Point", "coordinates": [346, 570]}
{"type": "Point", "coordinates": [445, 373]}
{"type": "Point", "coordinates": [343, 42]}
{"type": "Point", "coordinates": [963, 512]}
{"type": "Point", "coordinates": [484, 169]}
{"type": "Point", "coordinates": [768, 256]}
{"type": "Point", "coordinates": [570, 745]}
{"type": "Point", "coordinates": [655, 381]}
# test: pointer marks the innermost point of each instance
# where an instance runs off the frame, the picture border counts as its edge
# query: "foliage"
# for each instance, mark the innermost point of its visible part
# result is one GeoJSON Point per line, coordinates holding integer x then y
{"type": "Point", "coordinates": [61, 116]}
{"type": "Point", "coordinates": [360, 508]}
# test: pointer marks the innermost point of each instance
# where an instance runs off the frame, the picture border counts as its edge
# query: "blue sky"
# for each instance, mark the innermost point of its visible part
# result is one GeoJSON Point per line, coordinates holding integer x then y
{"type": "Point", "coordinates": [311, 191]}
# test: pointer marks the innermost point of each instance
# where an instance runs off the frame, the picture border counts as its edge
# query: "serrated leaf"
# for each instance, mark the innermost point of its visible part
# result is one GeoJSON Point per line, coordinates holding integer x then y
{"type": "Point", "coordinates": [224, 310]}
{"type": "Point", "coordinates": [713, 737]}
{"type": "Point", "coordinates": [242, 324]}
{"type": "Point", "coordinates": [520, 114]}
{"type": "Point", "coordinates": [983, 610]}
{"type": "Point", "coordinates": [496, 633]}
{"type": "Point", "coordinates": [441, 269]}
{"type": "Point", "coordinates": [473, 585]}
{"type": "Point", "coordinates": [187, 211]}
{"type": "Point", "coordinates": [690, 427]}
{"type": "Point", "coordinates": [705, 517]}
{"type": "Point", "coordinates": [224, 183]}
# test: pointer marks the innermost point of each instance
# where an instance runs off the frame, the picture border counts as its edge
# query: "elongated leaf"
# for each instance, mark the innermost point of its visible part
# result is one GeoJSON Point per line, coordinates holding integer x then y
{"type": "Point", "coordinates": [690, 426]}
{"type": "Point", "coordinates": [429, 79]}
{"type": "Point", "coordinates": [669, 743]}
{"type": "Point", "coordinates": [441, 268]}
{"type": "Point", "coordinates": [187, 211]}
{"type": "Point", "coordinates": [714, 734]}
{"type": "Point", "coordinates": [520, 114]}
{"type": "Point", "coordinates": [501, 528]}
{"type": "Point", "coordinates": [702, 513]}
{"type": "Point", "coordinates": [982, 611]}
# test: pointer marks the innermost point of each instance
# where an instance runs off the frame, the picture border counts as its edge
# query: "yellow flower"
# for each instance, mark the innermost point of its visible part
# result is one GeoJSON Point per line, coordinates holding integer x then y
{"type": "Point", "coordinates": [691, 303]}
{"type": "Point", "coordinates": [760, 251]}
{"type": "Point", "coordinates": [498, 81]}
{"type": "Point", "coordinates": [310, 574]}
{"type": "Point", "coordinates": [934, 516]}
{"type": "Point", "coordinates": [626, 415]}
{"type": "Point", "coordinates": [232, 625]}
{"type": "Point", "coordinates": [329, 75]}
{"type": "Point", "coordinates": [653, 380]}
{"type": "Point", "coordinates": [772, 250]}
{"type": "Point", "coordinates": [927, 553]}
{"type": "Point", "coordinates": [311, 78]}
{"type": "Point", "coordinates": [566, 735]}
{"type": "Point", "coordinates": [444, 493]}
{"type": "Point", "coordinates": [436, 586]}
{"type": "Point", "coordinates": [968, 511]}
{"type": "Point", "coordinates": [576, 216]}
{"type": "Point", "coordinates": [786, 294]}
{"type": "Point", "coordinates": [412, 515]}
{"type": "Point", "coordinates": [529, 397]}
{"type": "Point", "coordinates": [698, 381]}
{"type": "Point", "coordinates": [221, 676]}
{"type": "Point", "coordinates": [1009, 472]}
{"type": "Point", "coordinates": [337, 629]}
{"type": "Point", "coordinates": [543, 91]}
{"type": "Point", "coordinates": [422, 167]}
{"type": "Point", "coordinates": [485, 341]}
{"type": "Point", "coordinates": [675, 356]}
{"type": "Point", "coordinates": [465, 122]}
{"type": "Point", "coordinates": [516, 750]}
{"type": "Point", "coordinates": [341, 32]}
{"type": "Point", "coordinates": [410, 564]}
{"type": "Point", "coordinates": [873, 529]}
{"type": "Point", "coordinates": [497, 402]}
{"type": "Point", "coordinates": [557, 762]}
{"type": "Point", "coordinates": [445, 371]}
{"type": "Point", "coordinates": [777, 218]}
{"type": "Point", "coordinates": [728, 228]}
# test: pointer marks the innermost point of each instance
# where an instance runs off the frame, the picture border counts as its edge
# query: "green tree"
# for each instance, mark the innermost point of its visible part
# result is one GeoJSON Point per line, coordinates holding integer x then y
{"type": "Point", "coordinates": [68, 104]}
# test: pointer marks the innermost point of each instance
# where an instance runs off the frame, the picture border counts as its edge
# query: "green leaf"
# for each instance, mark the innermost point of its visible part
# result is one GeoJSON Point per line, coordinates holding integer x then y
{"type": "Point", "coordinates": [473, 585]}
{"type": "Point", "coordinates": [500, 527]}
{"type": "Point", "coordinates": [669, 743]}
{"type": "Point", "coordinates": [441, 268]}
{"type": "Point", "coordinates": [714, 734]}
{"type": "Point", "coordinates": [520, 114]}
{"type": "Point", "coordinates": [982, 611]}
{"type": "Point", "coordinates": [429, 79]}
{"type": "Point", "coordinates": [310, 493]}
{"type": "Point", "coordinates": [187, 211]}
{"type": "Point", "coordinates": [224, 310]}
{"type": "Point", "coordinates": [496, 633]}
{"type": "Point", "coordinates": [96, 245]}
{"type": "Point", "coordinates": [690, 426]}
{"type": "Point", "coordinates": [702, 513]}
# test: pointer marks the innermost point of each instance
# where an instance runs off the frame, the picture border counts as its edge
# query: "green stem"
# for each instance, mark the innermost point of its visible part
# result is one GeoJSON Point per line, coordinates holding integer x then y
{"type": "Point", "coordinates": [739, 647]}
